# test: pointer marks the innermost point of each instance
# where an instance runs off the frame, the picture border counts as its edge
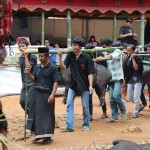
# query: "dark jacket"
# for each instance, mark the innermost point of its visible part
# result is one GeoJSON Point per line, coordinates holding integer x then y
{"type": "Point", "coordinates": [129, 70]}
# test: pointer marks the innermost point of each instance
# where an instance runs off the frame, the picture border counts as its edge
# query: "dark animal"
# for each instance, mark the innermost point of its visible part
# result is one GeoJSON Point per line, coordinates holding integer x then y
{"type": "Point", "coordinates": [129, 145]}
{"type": "Point", "coordinates": [101, 79]}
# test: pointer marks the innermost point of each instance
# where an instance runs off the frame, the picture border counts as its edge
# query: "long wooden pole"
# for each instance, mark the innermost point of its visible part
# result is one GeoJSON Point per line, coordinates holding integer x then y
{"type": "Point", "coordinates": [114, 27]}
{"type": "Point", "coordinates": [26, 101]}
{"type": "Point", "coordinates": [68, 50]}
{"type": "Point", "coordinates": [68, 29]}
{"type": "Point", "coordinates": [142, 25]}
{"type": "Point", "coordinates": [43, 28]}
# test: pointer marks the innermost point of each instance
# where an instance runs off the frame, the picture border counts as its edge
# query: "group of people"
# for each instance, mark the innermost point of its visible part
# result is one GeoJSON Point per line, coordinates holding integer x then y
{"type": "Point", "coordinates": [43, 81]}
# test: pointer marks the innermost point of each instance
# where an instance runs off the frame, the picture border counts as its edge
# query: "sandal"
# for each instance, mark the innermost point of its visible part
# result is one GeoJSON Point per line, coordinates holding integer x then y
{"type": "Point", "coordinates": [111, 120]}
{"type": "Point", "coordinates": [36, 140]}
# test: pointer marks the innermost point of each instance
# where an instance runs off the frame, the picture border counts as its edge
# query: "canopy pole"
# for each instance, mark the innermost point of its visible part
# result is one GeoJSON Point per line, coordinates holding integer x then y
{"type": "Point", "coordinates": [142, 25]}
{"type": "Point", "coordinates": [114, 27]}
{"type": "Point", "coordinates": [87, 28]}
{"type": "Point", "coordinates": [43, 28]}
{"type": "Point", "coordinates": [68, 29]}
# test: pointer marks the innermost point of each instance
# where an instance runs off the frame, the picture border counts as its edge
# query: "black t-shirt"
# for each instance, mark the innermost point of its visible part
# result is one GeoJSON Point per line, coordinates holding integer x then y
{"type": "Point", "coordinates": [47, 76]}
{"type": "Point", "coordinates": [80, 69]}
{"type": "Point", "coordinates": [33, 62]}
{"type": "Point", "coordinates": [128, 39]}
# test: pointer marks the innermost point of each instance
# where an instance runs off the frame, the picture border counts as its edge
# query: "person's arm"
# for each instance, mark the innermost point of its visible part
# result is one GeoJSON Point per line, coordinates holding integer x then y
{"type": "Point", "coordinates": [107, 57]}
{"type": "Point", "coordinates": [27, 64]}
{"type": "Point", "coordinates": [135, 65]}
{"type": "Point", "coordinates": [90, 78]}
{"type": "Point", "coordinates": [31, 77]}
{"type": "Point", "coordinates": [52, 96]}
{"type": "Point", "coordinates": [126, 35]}
{"type": "Point", "coordinates": [61, 63]}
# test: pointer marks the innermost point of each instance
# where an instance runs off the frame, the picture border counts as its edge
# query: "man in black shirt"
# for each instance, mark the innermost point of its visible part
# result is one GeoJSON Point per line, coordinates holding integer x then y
{"type": "Point", "coordinates": [126, 33]}
{"type": "Point", "coordinates": [133, 68]}
{"type": "Point", "coordinates": [26, 60]}
{"type": "Point", "coordinates": [82, 70]}
{"type": "Point", "coordinates": [41, 117]}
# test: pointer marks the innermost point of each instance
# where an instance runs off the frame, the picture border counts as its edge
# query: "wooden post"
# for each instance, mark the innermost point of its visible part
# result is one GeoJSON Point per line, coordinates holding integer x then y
{"type": "Point", "coordinates": [68, 29]}
{"type": "Point", "coordinates": [114, 27]}
{"type": "Point", "coordinates": [43, 28]}
{"type": "Point", "coordinates": [142, 25]}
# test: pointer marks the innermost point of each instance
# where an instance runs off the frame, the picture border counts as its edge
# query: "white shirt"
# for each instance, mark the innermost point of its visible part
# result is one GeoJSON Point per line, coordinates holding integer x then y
{"type": "Point", "coordinates": [115, 65]}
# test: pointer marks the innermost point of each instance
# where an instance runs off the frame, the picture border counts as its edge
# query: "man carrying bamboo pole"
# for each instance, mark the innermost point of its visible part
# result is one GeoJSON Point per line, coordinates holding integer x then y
{"type": "Point", "coordinates": [41, 116]}
{"type": "Point", "coordinates": [114, 65]}
{"type": "Point", "coordinates": [133, 68]}
{"type": "Point", "coordinates": [82, 70]}
{"type": "Point", "coordinates": [26, 60]}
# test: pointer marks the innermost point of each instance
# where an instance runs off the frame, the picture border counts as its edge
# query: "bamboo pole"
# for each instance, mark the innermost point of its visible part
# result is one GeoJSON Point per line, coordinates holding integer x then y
{"type": "Point", "coordinates": [43, 25]}
{"type": "Point", "coordinates": [114, 27]}
{"type": "Point", "coordinates": [146, 62]}
{"type": "Point", "coordinates": [142, 26]}
{"type": "Point", "coordinates": [68, 28]}
{"type": "Point", "coordinates": [26, 101]}
{"type": "Point", "coordinates": [68, 50]}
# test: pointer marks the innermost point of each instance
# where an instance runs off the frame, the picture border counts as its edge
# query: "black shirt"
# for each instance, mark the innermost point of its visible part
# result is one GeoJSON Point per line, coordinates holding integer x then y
{"type": "Point", "coordinates": [128, 39]}
{"type": "Point", "coordinates": [80, 69]}
{"type": "Point", "coordinates": [33, 62]}
{"type": "Point", "coordinates": [131, 76]}
{"type": "Point", "coordinates": [47, 76]}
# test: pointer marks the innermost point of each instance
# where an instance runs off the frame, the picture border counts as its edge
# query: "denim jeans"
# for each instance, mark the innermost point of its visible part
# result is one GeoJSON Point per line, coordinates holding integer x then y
{"type": "Point", "coordinates": [70, 108]}
{"type": "Point", "coordinates": [134, 94]}
{"type": "Point", "coordinates": [115, 99]}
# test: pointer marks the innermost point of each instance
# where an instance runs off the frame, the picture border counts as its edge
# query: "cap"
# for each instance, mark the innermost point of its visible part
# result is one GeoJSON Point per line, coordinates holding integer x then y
{"type": "Point", "coordinates": [43, 50]}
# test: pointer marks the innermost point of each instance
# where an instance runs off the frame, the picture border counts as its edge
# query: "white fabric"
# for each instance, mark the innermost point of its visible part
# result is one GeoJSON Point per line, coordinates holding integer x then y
{"type": "Point", "coordinates": [115, 65]}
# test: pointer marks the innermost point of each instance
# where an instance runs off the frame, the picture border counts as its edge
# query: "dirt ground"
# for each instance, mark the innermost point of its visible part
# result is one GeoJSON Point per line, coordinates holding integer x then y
{"type": "Point", "coordinates": [101, 133]}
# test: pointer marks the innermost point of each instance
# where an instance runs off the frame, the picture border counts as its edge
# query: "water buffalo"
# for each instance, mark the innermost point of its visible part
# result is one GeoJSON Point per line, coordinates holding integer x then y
{"type": "Point", "coordinates": [101, 79]}
{"type": "Point", "coordinates": [129, 145]}
{"type": "Point", "coordinates": [146, 74]}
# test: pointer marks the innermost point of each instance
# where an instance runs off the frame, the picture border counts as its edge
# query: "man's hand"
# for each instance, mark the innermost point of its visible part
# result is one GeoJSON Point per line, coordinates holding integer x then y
{"type": "Point", "coordinates": [27, 71]}
{"type": "Point", "coordinates": [134, 34]}
{"type": "Point", "coordinates": [133, 56]}
{"type": "Point", "coordinates": [91, 90]}
{"type": "Point", "coordinates": [51, 98]}
{"type": "Point", "coordinates": [60, 53]}
{"type": "Point", "coordinates": [130, 34]}
{"type": "Point", "coordinates": [99, 58]}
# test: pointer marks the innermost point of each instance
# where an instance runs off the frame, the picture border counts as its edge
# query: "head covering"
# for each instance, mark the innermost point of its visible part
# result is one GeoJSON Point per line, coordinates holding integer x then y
{"type": "Point", "coordinates": [18, 39]}
{"type": "Point", "coordinates": [44, 50]}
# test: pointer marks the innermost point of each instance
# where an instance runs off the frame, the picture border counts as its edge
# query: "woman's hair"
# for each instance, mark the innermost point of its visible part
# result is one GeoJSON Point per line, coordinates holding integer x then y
{"type": "Point", "coordinates": [78, 40]}
{"type": "Point", "coordinates": [92, 36]}
{"type": "Point", "coordinates": [23, 41]}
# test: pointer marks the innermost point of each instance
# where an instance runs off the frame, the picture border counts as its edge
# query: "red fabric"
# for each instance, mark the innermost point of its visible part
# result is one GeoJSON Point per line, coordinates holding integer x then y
{"type": "Point", "coordinates": [87, 5]}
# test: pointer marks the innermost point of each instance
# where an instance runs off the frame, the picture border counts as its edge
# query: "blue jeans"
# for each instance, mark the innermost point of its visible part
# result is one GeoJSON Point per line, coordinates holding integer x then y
{"type": "Point", "coordinates": [115, 99]}
{"type": "Point", "coordinates": [70, 108]}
